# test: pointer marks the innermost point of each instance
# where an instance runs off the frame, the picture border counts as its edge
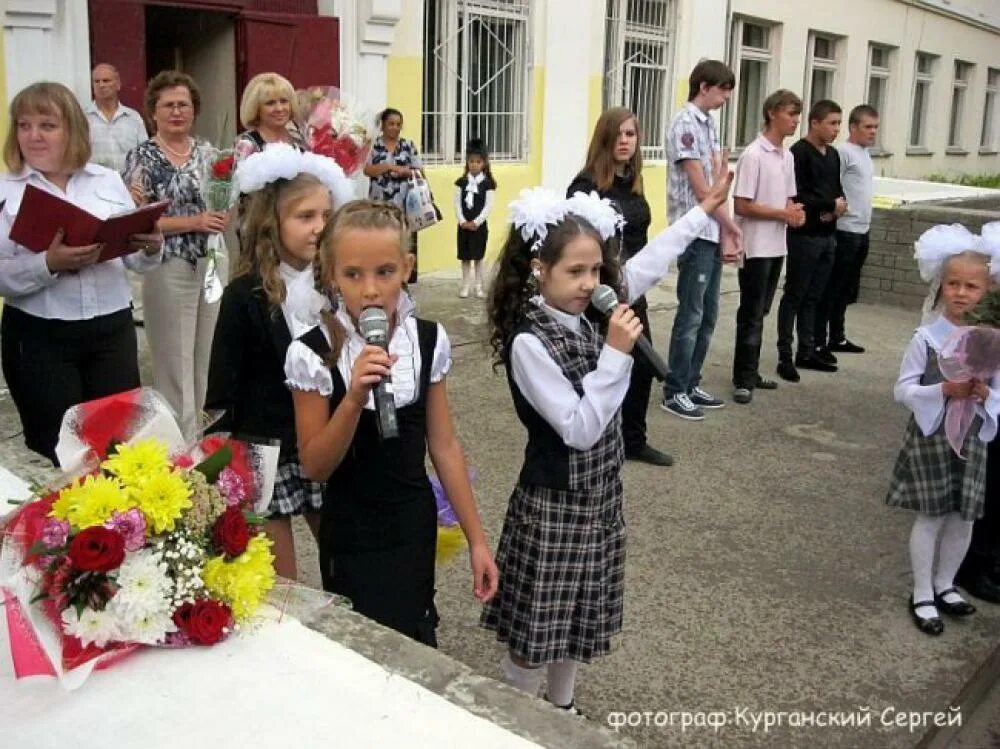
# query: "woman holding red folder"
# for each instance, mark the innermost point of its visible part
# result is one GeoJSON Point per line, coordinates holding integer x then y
{"type": "Point", "coordinates": [67, 334]}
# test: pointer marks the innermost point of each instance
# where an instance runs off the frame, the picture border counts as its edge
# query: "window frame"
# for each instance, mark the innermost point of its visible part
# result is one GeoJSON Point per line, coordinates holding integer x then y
{"type": "Point", "coordinates": [825, 64]}
{"type": "Point", "coordinates": [988, 128]}
{"type": "Point", "coordinates": [962, 74]}
{"type": "Point", "coordinates": [921, 79]}
{"type": "Point", "coordinates": [883, 73]}
{"type": "Point", "coordinates": [738, 53]}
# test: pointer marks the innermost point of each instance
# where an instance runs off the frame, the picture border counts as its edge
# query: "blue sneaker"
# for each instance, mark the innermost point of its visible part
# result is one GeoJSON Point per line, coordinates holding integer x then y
{"type": "Point", "coordinates": [680, 405]}
{"type": "Point", "coordinates": [705, 399]}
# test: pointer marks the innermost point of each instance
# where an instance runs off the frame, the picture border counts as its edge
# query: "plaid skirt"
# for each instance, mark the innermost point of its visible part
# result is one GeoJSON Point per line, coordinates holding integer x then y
{"type": "Point", "coordinates": [929, 477]}
{"type": "Point", "coordinates": [293, 492]}
{"type": "Point", "coordinates": [562, 574]}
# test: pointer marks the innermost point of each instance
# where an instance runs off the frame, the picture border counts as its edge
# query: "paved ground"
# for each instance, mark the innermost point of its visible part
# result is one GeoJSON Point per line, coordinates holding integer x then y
{"type": "Point", "coordinates": [765, 579]}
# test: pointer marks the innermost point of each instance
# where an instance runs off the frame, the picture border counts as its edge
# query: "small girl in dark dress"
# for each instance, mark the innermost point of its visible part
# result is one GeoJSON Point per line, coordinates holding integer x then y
{"type": "Point", "coordinates": [945, 490]}
{"type": "Point", "coordinates": [378, 527]}
{"type": "Point", "coordinates": [474, 194]}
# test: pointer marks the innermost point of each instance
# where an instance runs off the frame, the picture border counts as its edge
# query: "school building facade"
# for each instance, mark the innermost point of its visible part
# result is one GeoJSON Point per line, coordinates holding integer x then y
{"type": "Point", "coordinates": [531, 77]}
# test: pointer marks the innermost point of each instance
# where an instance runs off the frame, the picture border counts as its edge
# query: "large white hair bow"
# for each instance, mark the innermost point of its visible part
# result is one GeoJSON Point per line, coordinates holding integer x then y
{"type": "Point", "coordinates": [282, 161]}
{"type": "Point", "coordinates": [598, 211]}
{"type": "Point", "coordinates": [535, 210]}
{"type": "Point", "coordinates": [939, 243]}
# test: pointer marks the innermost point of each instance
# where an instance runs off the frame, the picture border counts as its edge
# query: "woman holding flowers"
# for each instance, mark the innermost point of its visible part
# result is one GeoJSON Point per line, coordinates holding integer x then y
{"type": "Point", "coordinates": [67, 328]}
{"type": "Point", "coordinates": [179, 317]}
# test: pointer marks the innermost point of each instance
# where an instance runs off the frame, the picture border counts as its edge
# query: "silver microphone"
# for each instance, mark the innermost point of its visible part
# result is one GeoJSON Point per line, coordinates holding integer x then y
{"type": "Point", "coordinates": [373, 324]}
{"type": "Point", "coordinates": [605, 300]}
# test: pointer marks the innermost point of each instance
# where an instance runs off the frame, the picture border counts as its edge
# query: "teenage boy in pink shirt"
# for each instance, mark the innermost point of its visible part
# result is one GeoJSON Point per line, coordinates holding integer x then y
{"type": "Point", "coordinates": [763, 192]}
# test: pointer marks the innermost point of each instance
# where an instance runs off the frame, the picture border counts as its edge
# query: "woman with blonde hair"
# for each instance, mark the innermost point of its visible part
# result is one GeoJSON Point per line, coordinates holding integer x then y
{"type": "Point", "coordinates": [269, 111]}
{"type": "Point", "coordinates": [67, 332]}
{"type": "Point", "coordinates": [614, 171]}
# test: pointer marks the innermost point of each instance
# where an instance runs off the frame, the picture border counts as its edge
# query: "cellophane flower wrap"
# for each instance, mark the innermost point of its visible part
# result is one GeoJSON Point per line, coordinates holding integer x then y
{"type": "Point", "coordinates": [335, 127]}
{"type": "Point", "coordinates": [152, 543]}
{"type": "Point", "coordinates": [219, 194]}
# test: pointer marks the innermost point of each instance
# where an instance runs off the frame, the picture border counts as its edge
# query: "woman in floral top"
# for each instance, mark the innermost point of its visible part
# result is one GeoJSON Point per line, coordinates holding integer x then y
{"type": "Point", "coordinates": [390, 165]}
{"type": "Point", "coordinates": [179, 321]}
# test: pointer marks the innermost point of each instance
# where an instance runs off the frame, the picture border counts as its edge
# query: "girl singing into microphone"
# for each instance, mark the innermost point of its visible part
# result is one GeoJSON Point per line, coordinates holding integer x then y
{"type": "Point", "coordinates": [562, 550]}
{"type": "Point", "coordinates": [378, 525]}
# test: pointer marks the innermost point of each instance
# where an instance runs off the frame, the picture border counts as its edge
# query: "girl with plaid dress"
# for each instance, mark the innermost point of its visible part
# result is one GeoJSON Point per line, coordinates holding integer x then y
{"type": "Point", "coordinates": [378, 528]}
{"type": "Point", "coordinates": [270, 301]}
{"type": "Point", "coordinates": [946, 491]}
{"type": "Point", "coordinates": [562, 550]}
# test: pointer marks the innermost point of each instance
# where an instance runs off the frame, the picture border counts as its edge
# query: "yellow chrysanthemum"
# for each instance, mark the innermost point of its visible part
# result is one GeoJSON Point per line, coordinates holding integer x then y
{"type": "Point", "coordinates": [162, 497]}
{"type": "Point", "coordinates": [135, 463]}
{"type": "Point", "coordinates": [242, 582]}
{"type": "Point", "coordinates": [91, 502]}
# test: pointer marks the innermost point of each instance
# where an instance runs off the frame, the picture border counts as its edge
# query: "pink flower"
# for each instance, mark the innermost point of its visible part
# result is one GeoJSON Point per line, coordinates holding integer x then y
{"type": "Point", "coordinates": [184, 461]}
{"type": "Point", "coordinates": [54, 533]}
{"type": "Point", "coordinates": [231, 487]}
{"type": "Point", "coordinates": [131, 526]}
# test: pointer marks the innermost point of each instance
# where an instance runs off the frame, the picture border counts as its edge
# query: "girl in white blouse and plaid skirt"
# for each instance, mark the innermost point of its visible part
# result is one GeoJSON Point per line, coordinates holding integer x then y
{"type": "Point", "coordinates": [562, 550]}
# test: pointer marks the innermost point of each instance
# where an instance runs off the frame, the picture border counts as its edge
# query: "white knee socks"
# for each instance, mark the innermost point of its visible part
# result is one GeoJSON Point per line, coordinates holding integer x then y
{"type": "Point", "coordinates": [955, 539]}
{"type": "Point", "coordinates": [526, 679]}
{"type": "Point", "coordinates": [923, 539]}
{"type": "Point", "coordinates": [561, 682]}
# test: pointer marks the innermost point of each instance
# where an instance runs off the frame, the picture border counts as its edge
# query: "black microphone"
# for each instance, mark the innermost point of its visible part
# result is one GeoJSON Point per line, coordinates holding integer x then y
{"type": "Point", "coordinates": [605, 300]}
{"type": "Point", "coordinates": [374, 326]}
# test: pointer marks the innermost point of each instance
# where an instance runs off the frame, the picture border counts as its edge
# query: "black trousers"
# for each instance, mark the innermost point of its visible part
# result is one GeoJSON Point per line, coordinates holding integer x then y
{"type": "Point", "coordinates": [843, 287]}
{"type": "Point", "coordinates": [758, 281]}
{"type": "Point", "coordinates": [810, 260]}
{"type": "Point", "coordinates": [983, 556]}
{"type": "Point", "coordinates": [51, 365]}
{"type": "Point", "coordinates": [639, 386]}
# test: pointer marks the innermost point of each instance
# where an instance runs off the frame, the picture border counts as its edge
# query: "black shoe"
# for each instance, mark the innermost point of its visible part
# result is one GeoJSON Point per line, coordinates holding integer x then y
{"type": "Point", "coordinates": [787, 371]}
{"type": "Point", "coordinates": [765, 384]}
{"type": "Point", "coordinates": [844, 346]}
{"type": "Point", "coordinates": [811, 362]}
{"type": "Point", "coordinates": [651, 455]}
{"type": "Point", "coordinates": [742, 395]}
{"type": "Point", "coordinates": [932, 626]}
{"type": "Point", "coordinates": [824, 355]}
{"type": "Point", "coordinates": [983, 587]}
{"type": "Point", "coordinates": [958, 608]}
{"type": "Point", "coordinates": [571, 708]}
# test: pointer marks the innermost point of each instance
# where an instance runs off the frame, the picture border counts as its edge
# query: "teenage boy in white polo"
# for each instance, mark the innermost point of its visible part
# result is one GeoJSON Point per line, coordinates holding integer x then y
{"type": "Point", "coordinates": [763, 203]}
{"type": "Point", "coordinates": [692, 147]}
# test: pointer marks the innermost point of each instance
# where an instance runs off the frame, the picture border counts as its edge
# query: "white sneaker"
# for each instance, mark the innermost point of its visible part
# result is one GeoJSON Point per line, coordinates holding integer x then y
{"type": "Point", "coordinates": [480, 292]}
{"type": "Point", "coordinates": [463, 293]}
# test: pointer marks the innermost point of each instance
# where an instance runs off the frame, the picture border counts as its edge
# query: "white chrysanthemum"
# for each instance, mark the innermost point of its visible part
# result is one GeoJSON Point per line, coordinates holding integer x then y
{"type": "Point", "coordinates": [282, 161]}
{"type": "Point", "coordinates": [144, 585]}
{"type": "Point", "coordinates": [939, 243]}
{"type": "Point", "coordinates": [150, 628]}
{"type": "Point", "coordinates": [535, 210]}
{"type": "Point", "coordinates": [91, 626]}
{"type": "Point", "coordinates": [990, 244]}
{"type": "Point", "coordinates": [598, 211]}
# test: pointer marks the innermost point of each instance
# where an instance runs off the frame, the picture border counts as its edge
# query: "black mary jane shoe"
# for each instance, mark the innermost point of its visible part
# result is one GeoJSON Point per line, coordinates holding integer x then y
{"type": "Point", "coordinates": [958, 608]}
{"type": "Point", "coordinates": [929, 626]}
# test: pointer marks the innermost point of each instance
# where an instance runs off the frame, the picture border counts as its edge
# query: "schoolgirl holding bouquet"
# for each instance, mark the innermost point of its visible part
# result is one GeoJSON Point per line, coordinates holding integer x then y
{"type": "Point", "coordinates": [562, 550]}
{"type": "Point", "coordinates": [378, 527]}
{"type": "Point", "coordinates": [272, 299]}
{"type": "Point", "coordinates": [945, 489]}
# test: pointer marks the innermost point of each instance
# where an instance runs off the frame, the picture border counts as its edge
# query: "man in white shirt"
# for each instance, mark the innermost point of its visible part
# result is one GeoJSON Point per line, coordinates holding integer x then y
{"type": "Point", "coordinates": [114, 128]}
{"type": "Point", "coordinates": [856, 178]}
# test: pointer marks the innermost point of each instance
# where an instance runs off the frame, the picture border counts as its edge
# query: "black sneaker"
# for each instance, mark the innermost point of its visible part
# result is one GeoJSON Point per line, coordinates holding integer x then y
{"type": "Point", "coordinates": [704, 399]}
{"type": "Point", "coordinates": [765, 384]}
{"type": "Point", "coordinates": [648, 454]}
{"type": "Point", "coordinates": [811, 362]}
{"type": "Point", "coordinates": [743, 395]}
{"type": "Point", "coordinates": [824, 355]}
{"type": "Point", "coordinates": [844, 346]}
{"type": "Point", "coordinates": [680, 405]}
{"type": "Point", "coordinates": [787, 371]}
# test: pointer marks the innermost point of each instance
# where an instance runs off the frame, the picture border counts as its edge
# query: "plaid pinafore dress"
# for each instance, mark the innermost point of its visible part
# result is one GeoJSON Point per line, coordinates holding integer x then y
{"type": "Point", "coordinates": [928, 476]}
{"type": "Point", "coordinates": [561, 554]}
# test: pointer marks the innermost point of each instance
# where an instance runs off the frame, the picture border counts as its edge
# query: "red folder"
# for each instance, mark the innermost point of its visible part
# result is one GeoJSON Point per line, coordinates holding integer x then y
{"type": "Point", "coordinates": [42, 214]}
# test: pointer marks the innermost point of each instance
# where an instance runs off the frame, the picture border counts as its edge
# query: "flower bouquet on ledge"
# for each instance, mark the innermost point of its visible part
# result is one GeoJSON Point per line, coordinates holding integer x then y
{"type": "Point", "coordinates": [151, 543]}
{"type": "Point", "coordinates": [334, 127]}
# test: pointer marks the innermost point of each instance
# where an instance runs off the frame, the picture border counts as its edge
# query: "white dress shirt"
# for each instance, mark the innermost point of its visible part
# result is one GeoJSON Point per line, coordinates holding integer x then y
{"type": "Point", "coordinates": [581, 420]}
{"type": "Point", "coordinates": [99, 289]}
{"type": "Point", "coordinates": [927, 402]}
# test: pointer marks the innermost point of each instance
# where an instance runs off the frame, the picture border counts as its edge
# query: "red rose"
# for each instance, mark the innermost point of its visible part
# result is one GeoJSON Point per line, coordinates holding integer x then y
{"type": "Point", "coordinates": [223, 168]}
{"type": "Point", "coordinates": [212, 444]}
{"type": "Point", "coordinates": [204, 621]}
{"type": "Point", "coordinates": [231, 533]}
{"type": "Point", "coordinates": [97, 549]}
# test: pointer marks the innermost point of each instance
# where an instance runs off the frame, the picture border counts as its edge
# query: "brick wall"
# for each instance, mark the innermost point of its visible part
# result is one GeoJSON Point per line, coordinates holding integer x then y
{"type": "Point", "coordinates": [890, 275]}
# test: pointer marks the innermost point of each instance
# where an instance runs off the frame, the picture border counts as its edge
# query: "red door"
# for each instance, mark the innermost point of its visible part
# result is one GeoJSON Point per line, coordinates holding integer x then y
{"type": "Point", "coordinates": [304, 49]}
{"type": "Point", "coordinates": [118, 36]}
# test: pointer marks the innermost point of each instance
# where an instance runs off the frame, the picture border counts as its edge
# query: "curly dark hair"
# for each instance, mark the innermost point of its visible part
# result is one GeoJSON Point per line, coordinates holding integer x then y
{"type": "Point", "coordinates": [510, 292]}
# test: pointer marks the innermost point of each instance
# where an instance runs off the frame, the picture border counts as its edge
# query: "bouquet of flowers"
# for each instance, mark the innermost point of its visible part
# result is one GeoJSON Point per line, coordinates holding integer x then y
{"type": "Point", "coordinates": [219, 193]}
{"type": "Point", "coordinates": [335, 128]}
{"type": "Point", "coordinates": [450, 538]}
{"type": "Point", "coordinates": [146, 548]}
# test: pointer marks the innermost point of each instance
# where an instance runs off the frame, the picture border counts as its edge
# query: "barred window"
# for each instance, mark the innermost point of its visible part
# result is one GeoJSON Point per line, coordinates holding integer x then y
{"type": "Point", "coordinates": [638, 35]}
{"type": "Point", "coordinates": [475, 78]}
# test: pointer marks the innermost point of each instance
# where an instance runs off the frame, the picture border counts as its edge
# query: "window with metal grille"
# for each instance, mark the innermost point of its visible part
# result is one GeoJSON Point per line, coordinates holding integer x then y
{"type": "Point", "coordinates": [638, 35]}
{"type": "Point", "coordinates": [923, 79]}
{"type": "Point", "coordinates": [475, 78]}
{"type": "Point", "coordinates": [988, 136]}
{"type": "Point", "coordinates": [753, 61]}
{"type": "Point", "coordinates": [959, 85]}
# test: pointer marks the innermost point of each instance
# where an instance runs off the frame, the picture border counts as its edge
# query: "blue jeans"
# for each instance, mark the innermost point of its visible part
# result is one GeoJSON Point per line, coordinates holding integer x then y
{"type": "Point", "coordinates": [699, 274]}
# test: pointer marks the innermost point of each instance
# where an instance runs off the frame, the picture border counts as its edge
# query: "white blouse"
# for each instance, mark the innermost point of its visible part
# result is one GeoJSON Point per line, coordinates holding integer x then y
{"type": "Point", "coordinates": [927, 402]}
{"type": "Point", "coordinates": [99, 289]}
{"type": "Point", "coordinates": [303, 304]}
{"type": "Point", "coordinates": [305, 370]}
{"type": "Point", "coordinates": [581, 420]}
